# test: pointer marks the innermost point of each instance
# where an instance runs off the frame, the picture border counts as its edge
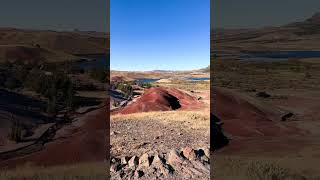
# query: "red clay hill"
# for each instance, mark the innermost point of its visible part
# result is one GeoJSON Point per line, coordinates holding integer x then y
{"type": "Point", "coordinates": [245, 120]}
{"type": "Point", "coordinates": [161, 99]}
{"type": "Point", "coordinates": [243, 116]}
{"type": "Point", "coordinates": [83, 144]}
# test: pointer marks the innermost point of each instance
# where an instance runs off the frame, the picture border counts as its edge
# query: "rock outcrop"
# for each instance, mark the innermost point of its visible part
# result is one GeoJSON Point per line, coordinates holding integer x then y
{"type": "Point", "coordinates": [186, 163]}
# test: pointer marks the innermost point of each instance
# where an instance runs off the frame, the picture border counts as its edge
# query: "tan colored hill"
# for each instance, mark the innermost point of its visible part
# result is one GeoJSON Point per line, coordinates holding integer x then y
{"type": "Point", "coordinates": [294, 36]}
{"type": "Point", "coordinates": [159, 74]}
{"type": "Point", "coordinates": [32, 54]}
{"type": "Point", "coordinates": [69, 42]}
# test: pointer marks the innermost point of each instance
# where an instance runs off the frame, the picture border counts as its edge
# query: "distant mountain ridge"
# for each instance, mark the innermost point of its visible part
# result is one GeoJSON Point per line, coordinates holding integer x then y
{"type": "Point", "coordinates": [72, 42]}
{"type": "Point", "coordinates": [35, 46]}
{"type": "Point", "coordinates": [303, 35]}
{"type": "Point", "coordinates": [165, 71]}
{"type": "Point", "coordinates": [315, 18]}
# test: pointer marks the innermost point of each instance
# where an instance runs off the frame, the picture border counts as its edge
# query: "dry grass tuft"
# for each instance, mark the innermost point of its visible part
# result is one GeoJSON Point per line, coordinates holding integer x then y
{"type": "Point", "coordinates": [92, 171]}
{"type": "Point", "coordinates": [195, 119]}
{"type": "Point", "coordinates": [240, 168]}
{"type": "Point", "coordinates": [185, 85]}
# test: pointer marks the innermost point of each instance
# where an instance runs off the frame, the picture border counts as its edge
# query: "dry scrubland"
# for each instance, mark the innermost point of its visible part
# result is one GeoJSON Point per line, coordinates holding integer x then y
{"type": "Point", "coordinates": [130, 76]}
{"type": "Point", "coordinates": [159, 132]}
{"type": "Point", "coordinates": [130, 131]}
{"type": "Point", "coordinates": [51, 102]}
{"type": "Point", "coordinates": [259, 75]}
{"type": "Point", "coordinates": [284, 85]}
{"type": "Point", "coordinates": [93, 171]}
{"type": "Point", "coordinates": [263, 168]}
{"type": "Point", "coordinates": [185, 85]}
{"type": "Point", "coordinates": [293, 85]}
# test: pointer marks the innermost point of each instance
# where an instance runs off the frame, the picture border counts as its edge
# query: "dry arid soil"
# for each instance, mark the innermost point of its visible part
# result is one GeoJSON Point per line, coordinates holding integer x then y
{"type": "Point", "coordinates": [267, 108]}
{"type": "Point", "coordinates": [163, 120]}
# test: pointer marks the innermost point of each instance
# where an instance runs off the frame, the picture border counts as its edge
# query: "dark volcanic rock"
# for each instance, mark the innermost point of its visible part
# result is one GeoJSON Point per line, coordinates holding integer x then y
{"type": "Point", "coordinates": [263, 95]}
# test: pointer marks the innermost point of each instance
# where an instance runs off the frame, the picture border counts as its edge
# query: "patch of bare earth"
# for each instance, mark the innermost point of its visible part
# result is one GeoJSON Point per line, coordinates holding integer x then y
{"type": "Point", "coordinates": [155, 132]}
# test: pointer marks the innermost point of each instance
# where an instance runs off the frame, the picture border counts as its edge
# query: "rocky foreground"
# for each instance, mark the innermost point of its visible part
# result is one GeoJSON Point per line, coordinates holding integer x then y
{"type": "Point", "coordinates": [186, 163]}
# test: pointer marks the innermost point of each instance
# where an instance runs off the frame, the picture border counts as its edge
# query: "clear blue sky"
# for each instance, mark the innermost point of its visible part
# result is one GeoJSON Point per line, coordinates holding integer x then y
{"type": "Point", "coordinates": [159, 34]}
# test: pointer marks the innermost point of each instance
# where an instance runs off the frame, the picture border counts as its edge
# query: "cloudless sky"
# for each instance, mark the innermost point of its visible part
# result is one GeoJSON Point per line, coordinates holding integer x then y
{"type": "Point", "coordinates": [159, 34]}
{"type": "Point", "coordinates": [86, 15]}
{"type": "Point", "coordinates": [259, 13]}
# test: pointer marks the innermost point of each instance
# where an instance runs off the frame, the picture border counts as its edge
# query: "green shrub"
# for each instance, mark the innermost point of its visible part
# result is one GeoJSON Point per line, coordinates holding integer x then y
{"type": "Point", "coordinates": [52, 106]}
{"type": "Point", "coordinates": [15, 133]}
{"type": "Point", "coordinates": [128, 92]}
{"type": "Point", "coordinates": [12, 83]}
{"type": "Point", "coordinates": [99, 74]}
{"type": "Point", "coordinates": [146, 85]}
{"type": "Point", "coordinates": [126, 88]}
{"type": "Point", "coordinates": [58, 88]}
{"type": "Point", "coordinates": [34, 80]}
{"type": "Point", "coordinates": [55, 85]}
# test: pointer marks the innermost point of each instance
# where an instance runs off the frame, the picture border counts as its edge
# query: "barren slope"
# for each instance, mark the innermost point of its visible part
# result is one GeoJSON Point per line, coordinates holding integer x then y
{"type": "Point", "coordinates": [68, 42]}
{"type": "Point", "coordinates": [81, 142]}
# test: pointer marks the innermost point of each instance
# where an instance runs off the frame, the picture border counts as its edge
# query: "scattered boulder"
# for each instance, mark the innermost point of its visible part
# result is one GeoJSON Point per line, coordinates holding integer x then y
{"type": "Point", "coordinates": [133, 162]}
{"type": "Point", "coordinates": [189, 153]}
{"type": "Point", "coordinates": [218, 139]}
{"type": "Point", "coordinates": [185, 164]}
{"type": "Point", "coordinates": [206, 151]}
{"type": "Point", "coordinates": [113, 133]}
{"type": "Point", "coordinates": [162, 167]}
{"type": "Point", "coordinates": [174, 158]}
{"type": "Point", "coordinates": [114, 167]}
{"type": "Point", "coordinates": [144, 160]}
{"type": "Point", "coordinates": [263, 95]}
{"type": "Point", "coordinates": [125, 160]}
{"type": "Point", "coordinates": [123, 103]}
{"type": "Point", "coordinates": [287, 116]}
{"type": "Point", "coordinates": [138, 174]}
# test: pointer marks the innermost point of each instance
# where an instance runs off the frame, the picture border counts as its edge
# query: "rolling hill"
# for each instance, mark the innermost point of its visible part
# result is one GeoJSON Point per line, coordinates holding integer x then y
{"type": "Point", "coordinates": [294, 36]}
{"type": "Point", "coordinates": [35, 45]}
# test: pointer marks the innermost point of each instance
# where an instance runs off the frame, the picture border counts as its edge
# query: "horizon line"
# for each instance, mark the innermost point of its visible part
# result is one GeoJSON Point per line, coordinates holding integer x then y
{"type": "Point", "coordinates": [158, 70]}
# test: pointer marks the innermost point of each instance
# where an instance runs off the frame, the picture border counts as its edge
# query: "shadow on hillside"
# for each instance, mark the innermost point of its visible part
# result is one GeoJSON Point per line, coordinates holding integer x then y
{"type": "Point", "coordinates": [13, 105]}
{"type": "Point", "coordinates": [87, 101]}
{"type": "Point", "coordinates": [217, 139]}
